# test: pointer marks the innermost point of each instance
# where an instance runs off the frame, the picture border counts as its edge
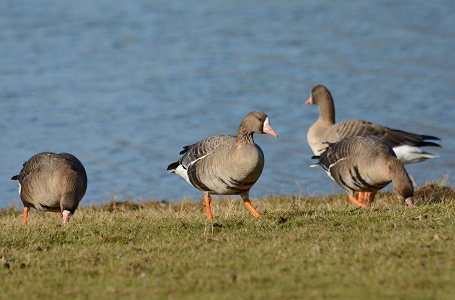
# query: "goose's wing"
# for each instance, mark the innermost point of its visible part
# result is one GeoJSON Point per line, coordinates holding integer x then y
{"type": "Point", "coordinates": [394, 137]}
{"type": "Point", "coordinates": [199, 150]}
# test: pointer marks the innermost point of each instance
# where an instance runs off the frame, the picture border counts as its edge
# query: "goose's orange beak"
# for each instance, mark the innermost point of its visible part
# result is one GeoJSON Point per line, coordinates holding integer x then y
{"type": "Point", "coordinates": [309, 101]}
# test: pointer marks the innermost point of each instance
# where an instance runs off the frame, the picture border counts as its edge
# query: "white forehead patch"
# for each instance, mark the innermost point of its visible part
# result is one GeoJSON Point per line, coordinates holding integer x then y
{"type": "Point", "coordinates": [266, 123]}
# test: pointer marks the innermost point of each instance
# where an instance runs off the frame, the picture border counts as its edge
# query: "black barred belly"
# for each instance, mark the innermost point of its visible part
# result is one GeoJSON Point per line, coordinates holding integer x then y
{"type": "Point", "coordinates": [233, 186]}
{"type": "Point", "coordinates": [356, 183]}
{"type": "Point", "coordinates": [43, 207]}
{"type": "Point", "coordinates": [219, 186]}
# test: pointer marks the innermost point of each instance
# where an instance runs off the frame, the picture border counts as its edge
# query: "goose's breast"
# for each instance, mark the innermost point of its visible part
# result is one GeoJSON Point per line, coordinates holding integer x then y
{"type": "Point", "coordinates": [229, 174]}
{"type": "Point", "coordinates": [246, 169]}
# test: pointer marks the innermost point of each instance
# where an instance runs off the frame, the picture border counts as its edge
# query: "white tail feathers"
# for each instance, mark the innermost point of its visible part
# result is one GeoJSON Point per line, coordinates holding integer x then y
{"type": "Point", "coordinates": [411, 154]}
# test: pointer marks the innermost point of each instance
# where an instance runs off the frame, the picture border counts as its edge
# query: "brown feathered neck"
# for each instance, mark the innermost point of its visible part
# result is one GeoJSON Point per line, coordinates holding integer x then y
{"type": "Point", "coordinates": [244, 135]}
{"type": "Point", "coordinates": [323, 99]}
{"type": "Point", "coordinates": [402, 184]}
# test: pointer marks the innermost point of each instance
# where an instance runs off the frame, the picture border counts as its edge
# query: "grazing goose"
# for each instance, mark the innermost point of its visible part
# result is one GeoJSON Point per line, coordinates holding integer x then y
{"type": "Point", "coordinates": [406, 145]}
{"type": "Point", "coordinates": [365, 164]}
{"type": "Point", "coordinates": [225, 164]}
{"type": "Point", "coordinates": [52, 182]}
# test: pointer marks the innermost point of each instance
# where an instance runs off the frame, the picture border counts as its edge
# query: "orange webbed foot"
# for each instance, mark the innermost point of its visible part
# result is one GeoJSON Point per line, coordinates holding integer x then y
{"type": "Point", "coordinates": [356, 202]}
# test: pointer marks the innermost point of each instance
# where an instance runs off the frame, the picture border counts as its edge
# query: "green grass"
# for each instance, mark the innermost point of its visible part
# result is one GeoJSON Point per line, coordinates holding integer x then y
{"type": "Point", "coordinates": [300, 247]}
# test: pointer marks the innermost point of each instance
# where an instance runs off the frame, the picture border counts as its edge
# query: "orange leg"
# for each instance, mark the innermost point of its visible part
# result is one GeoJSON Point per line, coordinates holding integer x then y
{"type": "Point", "coordinates": [356, 202]}
{"type": "Point", "coordinates": [26, 210]}
{"type": "Point", "coordinates": [361, 197]}
{"type": "Point", "coordinates": [370, 196]}
{"type": "Point", "coordinates": [207, 206]}
{"type": "Point", "coordinates": [250, 207]}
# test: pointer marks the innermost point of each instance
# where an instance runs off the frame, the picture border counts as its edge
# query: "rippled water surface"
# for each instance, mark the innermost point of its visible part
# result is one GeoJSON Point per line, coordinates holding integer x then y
{"type": "Point", "coordinates": [124, 84]}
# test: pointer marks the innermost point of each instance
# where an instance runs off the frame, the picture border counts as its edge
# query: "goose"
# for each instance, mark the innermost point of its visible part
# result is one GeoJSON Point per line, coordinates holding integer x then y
{"type": "Point", "coordinates": [365, 164]}
{"type": "Point", "coordinates": [226, 164]}
{"type": "Point", "coordinates": [52, 182]}
{"type": "Point", "coordinates": [406, 145]}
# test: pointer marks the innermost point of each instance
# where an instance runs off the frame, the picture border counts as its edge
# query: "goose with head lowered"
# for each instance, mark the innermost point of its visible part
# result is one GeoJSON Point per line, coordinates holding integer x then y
{"type": "Point", "coordinates": [406, 145]}
{"type": "Point", "coordinates": [225, 164]}
{"type": "Point", "coordinates": [365, 165]}
{"type": "Point", "coordinates": [52, 182]}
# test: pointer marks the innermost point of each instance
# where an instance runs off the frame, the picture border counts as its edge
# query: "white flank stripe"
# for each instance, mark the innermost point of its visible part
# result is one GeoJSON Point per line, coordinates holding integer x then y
{"type": "Point", "coordinates": [197, 159]}
{"type": "Point", "coordinates": [328, 170]}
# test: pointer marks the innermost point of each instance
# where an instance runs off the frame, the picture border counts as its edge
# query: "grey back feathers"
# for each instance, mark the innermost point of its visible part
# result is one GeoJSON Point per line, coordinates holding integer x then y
{"type": "Point", "coordinates": [194, 152]}
{"type": "Point", "coordinates": [365, 164]}
{"type": "Point", "coordinates": [356, 147]}
{"type": "Point", "coordinates": [52, 182]}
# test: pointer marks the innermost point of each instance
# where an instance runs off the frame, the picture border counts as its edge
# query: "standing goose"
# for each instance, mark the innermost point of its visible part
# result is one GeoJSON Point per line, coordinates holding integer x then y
{"type": "Point", "coordinates": [406, 145]}
{"type": "Point", "coordinates": [52, 182]}
{"type": "Point", "coordinates": [225, 164]}
{"type": "Point", "coordinates": [365, 164]}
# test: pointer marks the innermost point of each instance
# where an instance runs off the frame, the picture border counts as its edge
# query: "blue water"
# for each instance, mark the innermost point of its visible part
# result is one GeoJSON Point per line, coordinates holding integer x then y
{"type": "Point", "coordinates": [124, 84]}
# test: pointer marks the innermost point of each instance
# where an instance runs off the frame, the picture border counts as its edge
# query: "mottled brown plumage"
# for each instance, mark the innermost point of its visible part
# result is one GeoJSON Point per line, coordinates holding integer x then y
{"type": "Point", "coordinates": [52, 182]}
{"type": "Point", "coordinates": [366, 164]}
{"type": "Point", "coordinates": [225, 165]}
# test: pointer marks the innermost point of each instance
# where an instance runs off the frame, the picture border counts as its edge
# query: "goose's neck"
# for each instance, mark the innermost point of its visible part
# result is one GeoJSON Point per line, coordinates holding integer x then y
{"type": "Point", "coordinates": [401, 182]}
{"type": "Point", "coordinates": [326, 111]}
{"type": "Point", "coordinates": [244, 136]}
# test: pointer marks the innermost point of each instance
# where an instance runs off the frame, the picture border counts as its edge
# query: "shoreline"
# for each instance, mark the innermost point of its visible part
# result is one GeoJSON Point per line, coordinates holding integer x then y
{"type": "Point", "coordinates": [432, 192]}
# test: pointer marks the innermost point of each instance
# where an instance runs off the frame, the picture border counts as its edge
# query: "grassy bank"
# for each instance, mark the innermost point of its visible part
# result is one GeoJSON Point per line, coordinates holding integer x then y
{"type": "Point", "coordinates": [299, 247]}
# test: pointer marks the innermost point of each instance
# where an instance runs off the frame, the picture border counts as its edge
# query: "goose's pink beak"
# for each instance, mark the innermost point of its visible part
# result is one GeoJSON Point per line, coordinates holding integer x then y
{"type": "Point", "coordinates": [65, 216]}
{"type": "Point", "coordinates": [269, 130]}
{"type": "Point", "coordinates": [309, 101]}
{"type": "Point", "coordinates": [410, 201]}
